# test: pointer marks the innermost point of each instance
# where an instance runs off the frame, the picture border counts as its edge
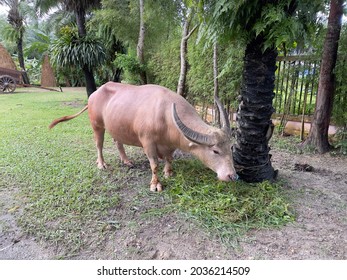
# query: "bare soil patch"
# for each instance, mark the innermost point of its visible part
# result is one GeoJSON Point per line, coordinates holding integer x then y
{"type": "Point", "coordinates": [318, 197]}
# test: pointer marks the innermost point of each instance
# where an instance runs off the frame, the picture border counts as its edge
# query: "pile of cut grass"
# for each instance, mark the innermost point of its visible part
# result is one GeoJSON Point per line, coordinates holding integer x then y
{"type": "Point", "coordinates": [64, 199]}
{"type": "Point", "coordinates": [229, 209]}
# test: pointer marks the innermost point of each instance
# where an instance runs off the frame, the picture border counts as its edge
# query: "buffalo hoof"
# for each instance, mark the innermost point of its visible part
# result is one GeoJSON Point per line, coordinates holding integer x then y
{"type": "Point", "coordinates": [101, 165]}
{"type": "Point", "coordinates": [168, 174]}
{"type": "Point", "coordinates": [156, 187]}
{"type": "Point", "coordinates": [128, 163]}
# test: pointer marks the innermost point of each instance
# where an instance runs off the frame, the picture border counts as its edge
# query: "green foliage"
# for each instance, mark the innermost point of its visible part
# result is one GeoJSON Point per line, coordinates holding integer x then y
{"type": "Point", "coordinates": [131, 67]}
{"type": "Point", "coordinates": [123, 17]}
{"type": "Point", "coordinates": [70, 54]}
{"type": "Point", "coordinates": [278, 22]}
{"type": "Point", "coordinates": [38, 43]}
{"type": "Point", "coordinates": [108, 71]}
{"type": "Point", "coordinates": [200, 78]}
{"type": "Point", "coordinates": [200, 74]}
{"type": "Point", "coordinates": [164, 65]}
{"type": "Point", "coordinates": [341, 140]}
{"type": "Point", "coordinates": [340, 99]}
{"type": "Point", "coordinates": [33, 68]}
{"type": "Point", "coordinates": [70, 50]}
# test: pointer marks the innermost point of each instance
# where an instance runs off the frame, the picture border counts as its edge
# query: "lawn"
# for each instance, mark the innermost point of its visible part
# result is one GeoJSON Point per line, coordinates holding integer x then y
{"type": "Point", "coordinates": [60, 197]}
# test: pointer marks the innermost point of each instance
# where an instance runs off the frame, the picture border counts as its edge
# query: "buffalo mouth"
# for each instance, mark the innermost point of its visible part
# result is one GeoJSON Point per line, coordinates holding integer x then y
{"type": "Point", "coordinates": [228, 177]}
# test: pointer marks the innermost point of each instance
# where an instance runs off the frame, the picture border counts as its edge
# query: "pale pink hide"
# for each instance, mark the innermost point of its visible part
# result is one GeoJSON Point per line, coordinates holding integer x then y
{"type": "Point", "coordinates": [143, 116]}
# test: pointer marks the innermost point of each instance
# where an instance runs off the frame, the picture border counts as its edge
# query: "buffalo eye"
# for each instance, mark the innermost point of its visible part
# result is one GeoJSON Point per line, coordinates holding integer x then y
{"type": "Point", "coordinates": [216, 152]}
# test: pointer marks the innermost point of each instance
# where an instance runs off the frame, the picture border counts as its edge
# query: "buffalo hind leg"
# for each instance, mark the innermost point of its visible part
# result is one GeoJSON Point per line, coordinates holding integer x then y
{"type": "Point", "coordinates": [124, 158]}
{"type": "Point", "coordinates": [99, 134]}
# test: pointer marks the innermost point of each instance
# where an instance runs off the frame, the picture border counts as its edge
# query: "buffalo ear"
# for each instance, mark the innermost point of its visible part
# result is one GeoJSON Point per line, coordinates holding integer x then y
{"type": "Point", "coordinates": [223, 117]}
{"type": "Point", "coordinates": [192, 145]}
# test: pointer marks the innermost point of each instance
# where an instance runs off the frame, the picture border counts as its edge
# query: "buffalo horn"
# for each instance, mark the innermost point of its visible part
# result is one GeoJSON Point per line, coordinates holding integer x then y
{"type": "Point", "coordinates": [190, 134]}
{"type": "Point", "coordinates": [223, 116]}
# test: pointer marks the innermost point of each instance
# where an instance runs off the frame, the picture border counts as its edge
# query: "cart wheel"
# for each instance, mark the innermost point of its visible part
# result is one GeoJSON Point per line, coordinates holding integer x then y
{"type": "Point", "coordinates": [7, 84]}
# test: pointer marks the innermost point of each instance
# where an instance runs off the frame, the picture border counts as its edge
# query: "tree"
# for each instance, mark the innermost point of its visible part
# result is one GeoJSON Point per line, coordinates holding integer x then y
{"type": "Point", "coordinates": [181, 87]}
{"type": "Point", "coordinates": [79, 8]}
{"type": "Point", "coordinates": [318, 135]}
{"type": "Point", "coordinates": [16, 18]}
{"type": "Point", "coordinates": [262, 25]}
{"type": "Point", "coordinates": [160, 25]}
{"type": "Point", "coordinates": [141, 43]}
{"type": "Point", "coordinates": [70, 50]}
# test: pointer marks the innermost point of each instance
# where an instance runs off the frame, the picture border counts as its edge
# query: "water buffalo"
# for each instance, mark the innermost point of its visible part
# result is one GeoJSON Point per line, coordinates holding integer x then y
{"type": "Point", "coordinates": [160, 121]}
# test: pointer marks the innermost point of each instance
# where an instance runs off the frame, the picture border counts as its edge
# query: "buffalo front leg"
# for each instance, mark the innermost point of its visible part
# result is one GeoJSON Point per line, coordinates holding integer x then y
{"type": "Point", "coordinates": [168, 166]}
{"type": "Point", "coordinates": [153, 160]}
{"type": "Point", "coordinates": [99, 134]}
{"type": "Point", "coordinates": [155, 184]}
{"type": "Point", "coordinates": [122, 154]}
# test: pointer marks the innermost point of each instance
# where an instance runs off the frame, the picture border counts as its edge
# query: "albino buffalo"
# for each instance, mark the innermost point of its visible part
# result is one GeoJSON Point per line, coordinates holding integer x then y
{"type": "Point", "coordinates": [160, 121]}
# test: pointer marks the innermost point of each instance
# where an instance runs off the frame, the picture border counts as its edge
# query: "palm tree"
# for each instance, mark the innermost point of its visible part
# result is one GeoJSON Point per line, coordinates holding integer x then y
{"type": "Point", "coordinates": [70, 51]}
{"type": "Point", "coordinates": [262, 25]}
{"type": "Point", "coordinates": [80, 9]}
{"type": "Point", "coordinates": [18, 11]}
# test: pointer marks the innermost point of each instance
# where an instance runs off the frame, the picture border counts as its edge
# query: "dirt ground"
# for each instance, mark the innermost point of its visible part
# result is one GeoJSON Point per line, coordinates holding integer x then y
{"type": "Point", "coordinates": [318, 197]}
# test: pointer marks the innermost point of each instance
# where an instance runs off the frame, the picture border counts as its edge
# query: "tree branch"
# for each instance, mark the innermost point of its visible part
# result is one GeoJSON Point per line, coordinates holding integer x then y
{"type": "Point", "coordinates": [191, 32]}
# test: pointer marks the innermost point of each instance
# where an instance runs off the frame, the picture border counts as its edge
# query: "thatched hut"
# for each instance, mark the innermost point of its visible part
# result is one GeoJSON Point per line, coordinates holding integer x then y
{"type": "Point", "coordinates": [47, 73]}
{"type": "Point", "coordinates": [6, 60]}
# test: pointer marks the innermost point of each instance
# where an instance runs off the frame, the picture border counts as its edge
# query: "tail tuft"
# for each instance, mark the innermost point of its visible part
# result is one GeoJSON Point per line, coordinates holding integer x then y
{"type": "Point", "coordinates": [66, 118]}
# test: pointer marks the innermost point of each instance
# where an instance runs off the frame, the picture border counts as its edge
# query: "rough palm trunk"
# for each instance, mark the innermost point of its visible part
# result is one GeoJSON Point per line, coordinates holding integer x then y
{"type": "Point", "coordinates": [141, 44]}
{"type": "Point", "coordinates": [15, 18]}
{"type": "Point", "coordinates": [21, 57]}
{"type": "Point", "coordinates": [82, 32]}
{"type": "Point", "coordinates": [254, 125]}
{"type": "Point", "coordinates": [318, 135]}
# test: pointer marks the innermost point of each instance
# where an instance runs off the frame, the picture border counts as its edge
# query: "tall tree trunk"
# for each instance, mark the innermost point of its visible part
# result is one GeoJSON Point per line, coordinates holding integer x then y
{"type": "Point", "coordinates": [141, 44]}
{"type": "Point", "coordinates": [254, 125]}
{"type": "Point", "coordinates": [16, 20]}
{"type": "Point", "coordinates": [82, 32]}
{"type": "Point", "coordinates": [25, 76]}
{"type": "Point", "coordinates": [181, 86]}
{"type": "Point", "coordinates": [318, 135]}
{"type": "Point", "coordinates": [215, 83]}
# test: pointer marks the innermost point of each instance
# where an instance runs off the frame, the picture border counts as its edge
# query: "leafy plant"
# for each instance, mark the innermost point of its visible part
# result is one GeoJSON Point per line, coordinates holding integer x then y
{"type": "Point", "coordinates": [70, 54]}
{"type": "Point", "coordinates": [70, 50]}
{"type": "Point", "coordinates": [131, 67]}
{"type": "Point", "coordinates": [340, 99]}
{"type": "Point", "coordinates": [341, 140]}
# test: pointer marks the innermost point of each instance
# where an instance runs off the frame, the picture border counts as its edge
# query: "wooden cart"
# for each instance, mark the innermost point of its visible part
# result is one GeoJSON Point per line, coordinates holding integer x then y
{"type": "Point", "coordinates": [9, 79]}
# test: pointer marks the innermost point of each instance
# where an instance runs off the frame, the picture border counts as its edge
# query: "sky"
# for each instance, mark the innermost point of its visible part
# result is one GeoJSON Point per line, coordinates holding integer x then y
{"type": "Point", "coordinates": [3, 9]}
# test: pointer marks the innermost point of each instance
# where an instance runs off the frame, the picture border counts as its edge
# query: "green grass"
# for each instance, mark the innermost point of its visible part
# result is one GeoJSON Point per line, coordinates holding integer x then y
{"type": "Point", "coordinates": [62, 192]}
{"type": "Point", "coordinates": [64, 199]}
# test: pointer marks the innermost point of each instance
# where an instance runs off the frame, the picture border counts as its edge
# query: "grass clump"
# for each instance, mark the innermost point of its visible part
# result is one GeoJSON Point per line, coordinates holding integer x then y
{"type": "Point", "coordinates": [227, 209]}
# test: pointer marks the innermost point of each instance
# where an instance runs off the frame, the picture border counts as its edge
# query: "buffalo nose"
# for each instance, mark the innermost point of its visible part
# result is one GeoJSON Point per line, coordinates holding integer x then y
{"type": "Point", "coordinates": [234, 177]}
